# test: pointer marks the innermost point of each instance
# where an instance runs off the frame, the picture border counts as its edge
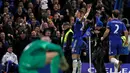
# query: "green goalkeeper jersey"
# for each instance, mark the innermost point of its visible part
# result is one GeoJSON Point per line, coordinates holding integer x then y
{"type": "Point", "coordinates": [34, 55]}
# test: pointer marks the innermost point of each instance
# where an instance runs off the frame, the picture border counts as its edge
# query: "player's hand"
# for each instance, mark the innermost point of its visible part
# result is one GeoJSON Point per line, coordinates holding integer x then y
{"type": "Point", "coordinates": [102, 38]}
{"type": "Point", "coordinates": [63, 64]}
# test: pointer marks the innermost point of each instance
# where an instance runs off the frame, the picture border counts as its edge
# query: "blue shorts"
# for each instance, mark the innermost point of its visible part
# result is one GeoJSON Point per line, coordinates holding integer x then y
{"type": "Point", "coordinates": [115, 47]}
{"type": "Point", "coordinates": [78, 45]}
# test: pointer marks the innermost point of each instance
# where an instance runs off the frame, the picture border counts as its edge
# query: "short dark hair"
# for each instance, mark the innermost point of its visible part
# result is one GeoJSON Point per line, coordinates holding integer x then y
{"type": "Point", "coordinates": [66, 23]}
{"type": "Point", "coordinates": [116, 13]}
{"type": "Point", "coordinates": [82, 10]}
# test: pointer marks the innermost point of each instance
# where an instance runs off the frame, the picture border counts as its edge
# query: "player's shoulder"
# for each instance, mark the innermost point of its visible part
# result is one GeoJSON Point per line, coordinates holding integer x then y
{"type": "Point", "coordinates": [116, 21]}
{"type": "Point", "coordinates": [109, 23]}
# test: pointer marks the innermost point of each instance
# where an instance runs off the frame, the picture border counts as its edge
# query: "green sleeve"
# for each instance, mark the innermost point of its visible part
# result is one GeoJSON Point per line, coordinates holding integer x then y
{"type": "Point", "coordinates": [32, 62]}
{"type": "Point", "coordinates": [34, 54]}
{"type": "Point", "coordinates": [54, 47]}
{"type": "Point", "coordinates": [37, 48]}
{"type": "Point", "coordinates": [47, 46]}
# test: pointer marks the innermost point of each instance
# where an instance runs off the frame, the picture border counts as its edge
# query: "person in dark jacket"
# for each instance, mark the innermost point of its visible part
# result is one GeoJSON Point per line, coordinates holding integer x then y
{"type": "Point", "coordinates": [21, 43]}
{"type": "Point", "coordinates": [98, 50]}
{"type": "Point", "coordinates": [66, 41]}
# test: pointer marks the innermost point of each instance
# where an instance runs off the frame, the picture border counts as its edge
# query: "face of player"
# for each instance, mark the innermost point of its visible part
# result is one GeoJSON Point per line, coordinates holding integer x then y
{"type": "Point", "coordinates": [46, 38]}
{"type": "Point", "coordinates": [81, 14]}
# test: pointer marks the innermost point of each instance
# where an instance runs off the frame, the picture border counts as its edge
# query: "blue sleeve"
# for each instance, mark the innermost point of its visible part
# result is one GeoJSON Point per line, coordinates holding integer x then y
{"type": "Point", "coordinates": [108, 25]}
{"type": "Point", "coordinates": [124, 27]}
{"type": "Point", "coordinates": [77, 20]}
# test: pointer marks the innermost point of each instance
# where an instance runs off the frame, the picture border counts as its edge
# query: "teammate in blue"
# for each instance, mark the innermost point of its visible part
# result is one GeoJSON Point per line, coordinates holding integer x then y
{"type": "Point", "coordinates": [115, 28]}
{"type": "Point", "coordinates": [78, 43]}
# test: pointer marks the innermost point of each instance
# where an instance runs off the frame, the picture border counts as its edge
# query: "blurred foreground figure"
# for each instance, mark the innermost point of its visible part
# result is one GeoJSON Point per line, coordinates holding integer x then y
{"type": "Point", "coordinates": [39, 53]}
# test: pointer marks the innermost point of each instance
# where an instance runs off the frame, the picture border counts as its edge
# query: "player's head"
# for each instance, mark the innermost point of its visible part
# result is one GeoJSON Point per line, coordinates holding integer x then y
{"type": "Point", "coordinates": [82, 12]}
{"type": "Point", "coordinates": [46, 38]}
{"type": "Point", "coordinates": [115, 13]}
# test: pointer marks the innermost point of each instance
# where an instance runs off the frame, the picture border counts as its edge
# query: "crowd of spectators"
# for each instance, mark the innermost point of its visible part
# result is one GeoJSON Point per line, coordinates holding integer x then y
{"type": "Point", "coordinates": [23, 21]}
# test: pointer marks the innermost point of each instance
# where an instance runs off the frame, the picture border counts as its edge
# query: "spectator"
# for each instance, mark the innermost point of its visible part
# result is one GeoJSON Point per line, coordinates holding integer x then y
{"type": "Point", "coordinates": [28, 12]}
{"type": "Point", "coordinates": [3, 44]}
{"type": "Point", "coordinates": [47, 32]}
{"type": "Point", "coordinates": [20, 13]}
{"type": "Point", "coordinates": [21, 5]}
{"type": "Point", "coordinates": [6, 10]}
{"type": "Point", "coordinates": [11, 5]}
{"type": "Point", "coordinates": [57, 38]}
{"type": "Point", "coordinates": [56, 8]}
{"type": "Point", "coordinates": [6, 4]}
{"type": "Point", "coordinates": [10, 61]}
{"type": "Point", "coordinates": [30, 17]}
{"type": "Point", "coordinates": [72, 21]}
{"type": "Point", "coordinates": [34, 36]}
{"type": "Point", "coordinates": [5, 19]}
{"type": "Point", "coordinates": [37, 9]}
{"type": "Point", "coordinates": [37, 29]}
{"type": "Point", "coordinates": [1, 27]}
{"type": "Point", "coordinates": [52, 27]}
{"type": "Point", "coordinates": [8, 29]}
{"type": "Point", "coordinates": [33, 24]}
{"type": "Point", "coordinates": [57, 21]}
{"type": "Point", "coordinates": [30, 5]}
{"type": "Point", "coordinates": [21, 42]}
{"type": "Point", "coordinates": [49, 14]}
{"type": "Point", "coordinates": [43, 26]}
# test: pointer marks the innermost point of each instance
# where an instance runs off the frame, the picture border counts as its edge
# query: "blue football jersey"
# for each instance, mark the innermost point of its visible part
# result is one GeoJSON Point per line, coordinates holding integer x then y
{"type": "Point", "coordinates": [78, 28]}
{"type": "Point", "coordinates": [116, 29]}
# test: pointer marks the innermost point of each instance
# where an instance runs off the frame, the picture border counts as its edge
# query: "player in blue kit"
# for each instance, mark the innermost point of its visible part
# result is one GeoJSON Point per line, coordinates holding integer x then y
{"type": "Point", "coordinates": [115, 28]}
{"type": "Point", "coordinates": [78, 43]}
